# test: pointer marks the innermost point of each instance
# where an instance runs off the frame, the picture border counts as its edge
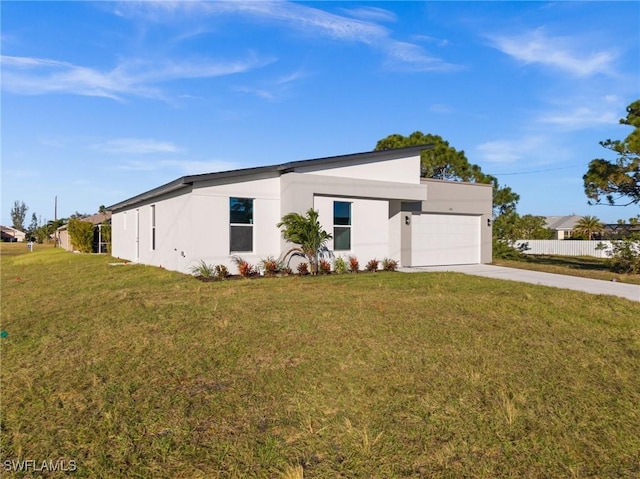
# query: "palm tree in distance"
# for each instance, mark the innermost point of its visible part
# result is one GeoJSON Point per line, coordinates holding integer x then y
{"type": "Point", "coordinates": [588, 226]}
{"type": "Point", "coordinates": [307, 232]}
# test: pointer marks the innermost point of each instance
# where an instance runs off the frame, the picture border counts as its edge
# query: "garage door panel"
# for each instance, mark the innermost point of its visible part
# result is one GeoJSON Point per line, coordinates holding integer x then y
{"type": "Point", "coordinates": [445, 239]}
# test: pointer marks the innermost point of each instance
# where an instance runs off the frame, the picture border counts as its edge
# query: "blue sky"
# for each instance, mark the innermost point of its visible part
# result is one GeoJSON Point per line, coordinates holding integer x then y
{"type": "Point", "coordinates": [102, 101]}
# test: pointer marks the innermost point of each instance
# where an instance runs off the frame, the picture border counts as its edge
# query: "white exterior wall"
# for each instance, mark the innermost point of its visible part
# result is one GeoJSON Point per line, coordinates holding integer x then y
{"type": "Point", "coordinates": [369, 228]}
{"type": "Point", "coordinates": [210, 221]}
{"type": "Point", "coordinates": [401, 170]}
{"type": "Point", "coordinates": [194, 226]}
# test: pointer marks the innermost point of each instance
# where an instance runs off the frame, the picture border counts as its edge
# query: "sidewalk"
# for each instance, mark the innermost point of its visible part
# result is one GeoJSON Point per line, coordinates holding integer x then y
{"type": "Point", "coordinates": [593, 286]}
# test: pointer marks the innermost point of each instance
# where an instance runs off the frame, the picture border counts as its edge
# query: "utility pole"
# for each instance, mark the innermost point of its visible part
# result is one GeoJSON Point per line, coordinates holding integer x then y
{"type": "Point", "coordinates": [55, 222]}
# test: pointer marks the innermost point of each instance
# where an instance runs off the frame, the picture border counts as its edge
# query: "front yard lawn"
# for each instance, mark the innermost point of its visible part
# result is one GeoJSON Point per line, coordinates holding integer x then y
{"type": "Point", "coordinates": [134, 371]}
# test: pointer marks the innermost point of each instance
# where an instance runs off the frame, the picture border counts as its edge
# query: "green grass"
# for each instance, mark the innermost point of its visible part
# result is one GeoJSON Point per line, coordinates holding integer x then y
{"type": "Point", "coordinates": [134, 371]}
{"type": "Point", "coordinates": [583, 266]}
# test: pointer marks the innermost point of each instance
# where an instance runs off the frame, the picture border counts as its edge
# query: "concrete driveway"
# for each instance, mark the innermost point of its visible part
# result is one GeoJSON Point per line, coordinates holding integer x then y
{"type": "Point", "coordinates": [593, 286]}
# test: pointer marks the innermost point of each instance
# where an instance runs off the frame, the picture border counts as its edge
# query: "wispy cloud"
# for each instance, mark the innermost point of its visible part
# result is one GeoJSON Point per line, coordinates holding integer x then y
{"type": "Point", "coordinates": [179, 167]}
{"type": "Point", "coordinates": [571, 55]}
{"type": "Point", "coordinates": [307, 20]}
{"type": "Point", "coordinates": [273, 90]}
{"type": "Point", "coordinates": [35, 76]}
{"type": "Point", "coordinates": [371, 14]}
{"type": "Point", "coordinates": [581, 117]}
{"type": "Point", "coordinates": [510, 151]}
{"type": "Point", "coordinates": [136, 146]}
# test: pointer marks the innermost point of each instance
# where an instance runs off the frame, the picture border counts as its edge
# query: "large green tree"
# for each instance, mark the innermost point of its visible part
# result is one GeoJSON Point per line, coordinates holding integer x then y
{"type": "Point", "coordinates": [617, 182]}
{"type": "Point", "coordinates": [18, 214]}
{"type": "Point", "coordinates": [444, 162]}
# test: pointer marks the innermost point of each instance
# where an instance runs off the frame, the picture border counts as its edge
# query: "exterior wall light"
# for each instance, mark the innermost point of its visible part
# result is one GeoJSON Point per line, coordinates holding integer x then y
{"type": "Point", "coordinates": [407, 220]}
{"type": "Point", "coordinates": [489, 222]}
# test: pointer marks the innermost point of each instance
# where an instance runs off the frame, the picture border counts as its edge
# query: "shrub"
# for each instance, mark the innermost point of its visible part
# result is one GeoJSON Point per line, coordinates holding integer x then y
{"type": "Point", "coordinates": [81, 235]}
{"type": "Point", "coordinates": [203, 270]}
{"type": "Point", "coordinates": [389, 264]}
{"type": "Point", "coordinates": [372, 265]}
{"type": "Point", "coordinates": [624, 255]}
{"type": "Point", "coordinates": [303, 269]}
{"type": "Point", "coordinates": [354, 266]}
{"type": "Point", "coordinates": [221, 271]}
{"type": "Point", "coordinates": [503, 250]}
{"type": "Point", "coordinates": [271, 266]}
{"type": "Point", "coordinates": [325, 266]}
{"type": "Point", "coordinates": [245, 269]}
{"type": "Point", "coordinates": [340, 265]}
{"type": "Point", "coordinates": [287, 271]}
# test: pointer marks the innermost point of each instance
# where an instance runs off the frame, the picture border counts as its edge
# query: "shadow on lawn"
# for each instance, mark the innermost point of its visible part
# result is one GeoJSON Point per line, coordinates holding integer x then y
{"type": "Point", "coordinates": [574, 262]}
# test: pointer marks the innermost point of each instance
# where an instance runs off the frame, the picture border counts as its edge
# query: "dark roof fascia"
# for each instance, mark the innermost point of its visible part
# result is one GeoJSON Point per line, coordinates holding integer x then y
{"type": "Point", "coordinates": [155, 192]}
{"type": "Point", "coordinates": [279, 169]}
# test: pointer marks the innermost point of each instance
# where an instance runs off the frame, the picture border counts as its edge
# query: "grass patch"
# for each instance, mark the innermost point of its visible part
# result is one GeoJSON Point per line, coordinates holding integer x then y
{"type": "Point", "coordinates": [583, 266]}
{"type": "Point", "coordinates": [134, 371]}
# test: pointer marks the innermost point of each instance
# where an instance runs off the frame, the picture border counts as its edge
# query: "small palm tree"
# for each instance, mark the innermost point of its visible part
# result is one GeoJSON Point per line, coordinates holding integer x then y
{"type": "Point", "coordinates": [588, 226]}
{"type": "Point", "coordinates": [307, 232]}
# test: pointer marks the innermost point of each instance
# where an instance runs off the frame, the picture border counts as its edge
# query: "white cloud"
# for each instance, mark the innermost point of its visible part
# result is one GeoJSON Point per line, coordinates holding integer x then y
{"type": "Point", "coordinates": [179, 167]}
{"type": "Point", "coordinates": [189, 167]}
{"type": "Point", "coordinates": [572, 55]}
{"type": "Point", "coordinates": [372, 14]}
{"type": "Point", "coordinates": [34, 76]}
{"type": "Point", "coordinates": [580, 117]}
{"type": "Point", "coordinates": [136, 146]}
{"type": "Point", "coordinates": [303, 18]}
{"type": "Point", "coordinates": [510, 151]}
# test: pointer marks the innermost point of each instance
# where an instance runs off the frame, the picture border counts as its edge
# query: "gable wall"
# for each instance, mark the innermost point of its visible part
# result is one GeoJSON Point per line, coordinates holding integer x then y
{"type": "Point", "coordinates": [399, 170]}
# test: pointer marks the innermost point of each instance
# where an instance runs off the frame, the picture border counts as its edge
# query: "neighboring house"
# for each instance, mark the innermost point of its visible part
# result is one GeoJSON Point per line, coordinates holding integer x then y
{"type": "Point", "coordinates": [374, 204]}
{"type": "Point", "coordinates": [562, 226]}
{"type": "Point", "coordinates": [11, 234]}
{"type": "Point", "coordinates": [98, 220]}
{"type": "Point", "coordinates": [620, 230]}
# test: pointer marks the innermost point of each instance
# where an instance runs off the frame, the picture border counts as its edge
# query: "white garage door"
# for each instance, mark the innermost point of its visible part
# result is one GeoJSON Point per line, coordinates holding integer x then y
{"type": "Point", "coordinates": [445, 239]}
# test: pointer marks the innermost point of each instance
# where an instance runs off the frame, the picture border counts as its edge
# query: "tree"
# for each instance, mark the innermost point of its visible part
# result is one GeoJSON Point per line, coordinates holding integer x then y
{"type": "Point", "coordinates": [81, 235]}
{"type": "Point", "coordinates": [307, 232]}
{"type": "Point", "coordinates": [31, 230]}
{"type": "Point", "coordinates": [533, 228]}
{"type": "Point", "coordinates": [18, 213]}
{"type": "Point", "coordinates": [444, 162]}
{"type": "Point", "coordinates": [588, 226]}
{"type": "Point", "coordinates": [618, 181]}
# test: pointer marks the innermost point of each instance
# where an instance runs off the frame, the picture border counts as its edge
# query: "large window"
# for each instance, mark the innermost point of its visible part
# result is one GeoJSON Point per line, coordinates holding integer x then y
{"type": "Point", "coordinates": [153, 227]}
{"type": "Point", "coordinates": [241, 225]}
{"type": "Point", "coordinates": [341, 226]}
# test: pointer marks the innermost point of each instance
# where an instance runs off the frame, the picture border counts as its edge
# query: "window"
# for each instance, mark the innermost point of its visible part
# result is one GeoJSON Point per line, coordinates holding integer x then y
{"type": "Point", "coordinates": [341, 226]}
{"type": "Point", "coordinates": [241, 225]}
{"type": "Point", "coordinates": [153, 227]}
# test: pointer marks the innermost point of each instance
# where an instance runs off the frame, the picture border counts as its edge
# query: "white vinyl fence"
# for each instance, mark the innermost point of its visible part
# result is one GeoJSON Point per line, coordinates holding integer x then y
{"type": "Point", "coordinates": [566, 247]}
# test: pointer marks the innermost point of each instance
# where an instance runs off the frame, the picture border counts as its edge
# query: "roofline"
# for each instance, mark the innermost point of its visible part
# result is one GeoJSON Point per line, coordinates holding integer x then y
{"type": "Point", "coordinates": [189, 180]}
{"type": "Point", "coordinates": [438, 180]}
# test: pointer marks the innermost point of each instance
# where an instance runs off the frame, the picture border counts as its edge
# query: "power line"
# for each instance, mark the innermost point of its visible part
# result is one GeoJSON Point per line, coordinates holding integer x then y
{"type": "Point", "coordinates": [536, 171]}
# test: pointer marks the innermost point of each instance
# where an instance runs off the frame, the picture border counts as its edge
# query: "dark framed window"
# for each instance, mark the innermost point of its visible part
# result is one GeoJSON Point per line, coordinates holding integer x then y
{"type": "Point", "coordinates": [341, 225]}
{"type": "Point", "coordinates": [241, 225]}
{"type": "Point", "coordinates": [153, 227]}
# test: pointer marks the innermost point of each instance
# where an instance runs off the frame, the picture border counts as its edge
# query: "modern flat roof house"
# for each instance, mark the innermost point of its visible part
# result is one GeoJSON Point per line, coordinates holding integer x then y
{"type": "Point", "coordinates": [374, 204]}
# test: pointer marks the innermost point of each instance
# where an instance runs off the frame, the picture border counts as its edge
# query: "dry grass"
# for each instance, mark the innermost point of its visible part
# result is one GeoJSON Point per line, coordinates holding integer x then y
{"type": "Point", "coordinates": [583, 266]}
{"type": "Point", "coordinates": [134, 371]}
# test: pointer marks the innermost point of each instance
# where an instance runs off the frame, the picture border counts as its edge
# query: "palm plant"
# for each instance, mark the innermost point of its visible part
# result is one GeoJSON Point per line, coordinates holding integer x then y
{"type": "Point", "coordinates": [588, 226]}
{"type": "Point", "coordinates": [306, 231]}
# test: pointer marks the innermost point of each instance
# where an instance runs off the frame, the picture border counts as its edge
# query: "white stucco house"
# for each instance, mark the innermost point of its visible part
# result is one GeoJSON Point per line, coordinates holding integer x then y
{"type": "Point", "coordinates": [374, 204]}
